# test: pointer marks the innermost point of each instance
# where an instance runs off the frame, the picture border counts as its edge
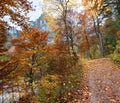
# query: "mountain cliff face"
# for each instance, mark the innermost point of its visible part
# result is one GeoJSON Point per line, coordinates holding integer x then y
{"type": "Point", "coordinates": [13, 33]}
{"type": "Point", "coordinates": [40, 23]}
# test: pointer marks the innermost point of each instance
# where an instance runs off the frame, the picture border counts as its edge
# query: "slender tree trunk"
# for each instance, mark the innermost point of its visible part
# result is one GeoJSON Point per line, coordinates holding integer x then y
{"type": "Point", "coordinates": [13, 89]}
{"type": "Point", "coordinates": [31, 74]}
{"type": "Point", "coordinates": [13, 94]}
{"type": "Point", "coordinates": [118, 7]}
{"type": "Point", "coordinates": [88, 46]}
{"type": "Point", "coordinates": [2, 93]}
{"type": "Point", "coordinates": [31, 81]}
{"type": "Point", "coordinates": [72, 46]}
{"type": "Point", "coordinates": [67, 36]}
{"type": "Point", "coordinates": [87, 40]}
{"type": "Point", "coordinates": [18, 89]}
{"type": "Point", "coordinates": [99, 36]}
{"type": "Point", "coordinates": [64, 14]}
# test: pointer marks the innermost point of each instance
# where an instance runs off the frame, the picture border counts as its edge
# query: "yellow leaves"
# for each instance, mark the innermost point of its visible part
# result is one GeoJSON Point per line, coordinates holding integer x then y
{"type": "Point", "coordinates": [93, 6]}
{"type": "Point", "coordinates": [69, 82]}
{"type": "Point", "coordinates": [69, 93]}
{"type": "Point", "coordinates": [108, 9]}
{"type": "Point", "coordinates": [75, 3]}
{"type": "Point", "coordinates": [64, 84]}
{"type": "Point", "coordinates": [55, 9]}
{"type": "Point", "coordinates": [118, 34]}
{"type": "Point", "coordinates": [23, 62]}
{"type": "Point", "coordinates": [51, 21]}
{"type": "Point", "coordinates": [58, 39]}
{"type": "Point", "coordinates": [50, 81]}
{"type": "Point", "coordinates": [29, 53]}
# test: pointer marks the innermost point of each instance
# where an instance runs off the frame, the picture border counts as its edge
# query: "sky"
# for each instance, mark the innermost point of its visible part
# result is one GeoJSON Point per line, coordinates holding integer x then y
{"type": "Point", "coordinates": [38, 9]}
{"type": "Point", "coordinates": [33, 15]}
{"type": "Point", "coordinates": [37, 4]}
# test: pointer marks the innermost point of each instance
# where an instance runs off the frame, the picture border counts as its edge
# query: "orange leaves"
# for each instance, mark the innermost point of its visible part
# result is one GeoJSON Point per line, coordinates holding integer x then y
{"type": "Point", "coordinates": [51, 50]}
{"type": "Point", "coordinates": [61, 48]}
{"type": "Point", "coordinates": [93, 6]}
{"type": "Point", "coordinates": [13, 8]}
{"type": "Point", "coordinates": [30, 52]}
{"type": "Point", "coordinates": [14, 41]}
{"type": "Point", "coordinates": [118, 34]}
{"type": "Point", "coordinates": [78, 38]}
{"type": "Point", "coordinates": [29, 38]}
{"type": "Point", "coordinates": [34, 36]}
{"type": "Point", "coordinates": [83, 46]}
{"type": "Point", "coordinates": [22, 37]}
{"type": "Point", "coordinates": [30, 42]}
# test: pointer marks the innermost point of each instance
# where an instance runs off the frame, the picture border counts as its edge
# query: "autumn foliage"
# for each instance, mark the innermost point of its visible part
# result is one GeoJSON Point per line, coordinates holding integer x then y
{"type": "Point", "coordinates": [33, 66]}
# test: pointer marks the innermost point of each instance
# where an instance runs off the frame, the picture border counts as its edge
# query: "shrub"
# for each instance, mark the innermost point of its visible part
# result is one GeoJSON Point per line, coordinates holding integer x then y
{"type": "Point", "coordinates": [48, 90]}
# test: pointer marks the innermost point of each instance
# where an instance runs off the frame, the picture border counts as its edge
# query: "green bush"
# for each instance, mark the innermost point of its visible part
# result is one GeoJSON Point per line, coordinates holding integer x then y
{"type": "Point", "coordinates": [116, 55]}
{"type": "Point", "coordinates": [71, 83]}
{"type": "Point", "coordinates": [48, 91]}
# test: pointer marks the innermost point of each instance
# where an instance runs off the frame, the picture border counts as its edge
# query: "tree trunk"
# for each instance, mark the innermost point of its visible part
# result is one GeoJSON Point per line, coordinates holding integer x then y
{"type": "Point", "coordinates": [31, 81]}
{"type": "Point", "coordinates": [99, 36]}
{"type": "Point", "coordinates": [2, 93]}
{"type": "Point", "coordinates": [72, 45]}
{"type": "Point", "coordinates": [88, 46]}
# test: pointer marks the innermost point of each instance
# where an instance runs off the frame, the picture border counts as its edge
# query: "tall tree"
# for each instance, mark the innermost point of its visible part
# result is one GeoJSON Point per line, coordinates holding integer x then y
{"type": "Point", "coordinates": [30, 53]}
{"type": "Point", "coordinates": [12, 9]}
{"type": "Point", "coordinates": [59, 13]}
{"type": "Point", "coordinates": [15, 10]}
{"type": "Point", "coordinates": [94, 8]}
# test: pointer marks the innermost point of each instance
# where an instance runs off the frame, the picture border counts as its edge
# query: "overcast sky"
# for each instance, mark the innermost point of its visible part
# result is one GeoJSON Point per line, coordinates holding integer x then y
{"type": "Point", "coordinates": [38, 7]}
{"type": "Point", "coordinates": [37, 4]}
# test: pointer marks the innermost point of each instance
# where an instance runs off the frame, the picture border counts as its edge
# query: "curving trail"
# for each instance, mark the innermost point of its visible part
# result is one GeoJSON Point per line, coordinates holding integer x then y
{"type": "Point", "coordinates": [103, 82]}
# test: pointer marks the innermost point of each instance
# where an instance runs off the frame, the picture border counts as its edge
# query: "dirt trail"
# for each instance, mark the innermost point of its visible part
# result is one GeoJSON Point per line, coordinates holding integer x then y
{"type": "Point", "coordinates": [103, 82]}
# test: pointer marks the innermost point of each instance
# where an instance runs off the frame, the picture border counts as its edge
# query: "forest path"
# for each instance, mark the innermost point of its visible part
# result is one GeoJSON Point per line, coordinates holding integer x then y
{"type": "Point", "coordinates": [103, 81]}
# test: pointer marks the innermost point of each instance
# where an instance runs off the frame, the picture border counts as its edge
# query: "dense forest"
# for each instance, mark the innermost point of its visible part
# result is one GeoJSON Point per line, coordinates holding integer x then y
{"type": "Point", "coordinates": [46, 60]}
